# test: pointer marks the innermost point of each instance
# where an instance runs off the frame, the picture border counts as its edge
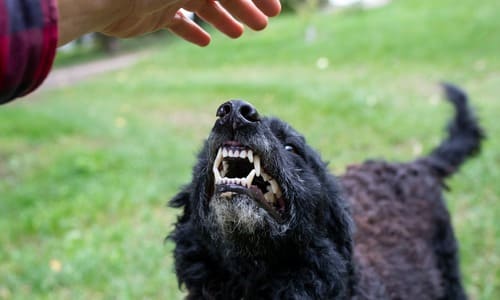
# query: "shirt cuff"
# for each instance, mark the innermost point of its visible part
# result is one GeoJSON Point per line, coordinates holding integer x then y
{"type": "Point", "coordinates": [28, 45]}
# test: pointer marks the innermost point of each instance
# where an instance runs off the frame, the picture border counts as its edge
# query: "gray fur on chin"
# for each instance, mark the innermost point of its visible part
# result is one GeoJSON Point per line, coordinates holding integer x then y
{"type": "Point", "coordinates": [239, 214]}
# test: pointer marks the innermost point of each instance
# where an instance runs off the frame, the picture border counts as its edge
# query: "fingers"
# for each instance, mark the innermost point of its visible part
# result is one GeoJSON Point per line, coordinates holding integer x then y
{"type": "Point", "coordinates": [270, 8]}
{"type": "Point", "coordinates": [247, 12]}
{"type": "Point", "coordinates": [213, 13]}
{"type": "Point", "coordinates": [188, 30]}
{"type": "Point", "coordinates": [224, 16]}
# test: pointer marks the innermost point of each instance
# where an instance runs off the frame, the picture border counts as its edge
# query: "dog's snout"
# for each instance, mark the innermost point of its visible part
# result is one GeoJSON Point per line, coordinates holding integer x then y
{"type": "Point", "coordinates": [248, 112]}
{"type": "Point", "coordinates": [238, 113]}
{"type": "Point", "coordinates": [224, 110]}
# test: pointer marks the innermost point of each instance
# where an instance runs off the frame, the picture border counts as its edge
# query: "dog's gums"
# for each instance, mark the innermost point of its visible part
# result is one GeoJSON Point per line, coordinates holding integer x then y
{"type": "Point", "coordinates": [237, 170]}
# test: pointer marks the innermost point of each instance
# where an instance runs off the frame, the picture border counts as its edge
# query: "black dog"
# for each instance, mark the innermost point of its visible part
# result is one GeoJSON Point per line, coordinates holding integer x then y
{"type": "Point", "coordinates": [264, 219]}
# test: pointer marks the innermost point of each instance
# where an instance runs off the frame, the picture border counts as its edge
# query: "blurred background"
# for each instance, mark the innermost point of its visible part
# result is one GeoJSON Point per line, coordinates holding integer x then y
{"type": "Point", "coordinates": [88, 163]}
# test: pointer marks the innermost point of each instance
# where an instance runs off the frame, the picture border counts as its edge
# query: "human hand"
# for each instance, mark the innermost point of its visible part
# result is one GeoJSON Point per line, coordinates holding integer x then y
{"type": "Point", "coordinates": [128, 18]}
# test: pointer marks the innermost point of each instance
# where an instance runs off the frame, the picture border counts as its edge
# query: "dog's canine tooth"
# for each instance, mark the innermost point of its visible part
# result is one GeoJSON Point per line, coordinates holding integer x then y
{"type": "Point", "coordinates": [217, 174]}
{"type": "Point", "coordinates": [250, 156]}
{"type": "Point", "coordinates": [256, 163]}
{"type": "Point", "coordinates": [224, 152]}
{"type": "Point", "coordinates": [276, 188]}
{"type": "Point", "coordinates": [243, 154]}
{"type": "Point", "coordinates": [218, 159]}
{"type": "Point", "coordinates": [265, 176]}
{"type": "Point", "coordinates": [225, 168]}
{"type": "Point", "coordinates": [250, 178]}
{"type": "Point", "coordinates": [279, 193]}
{"type": "Point", "coordinates": [215, 169]}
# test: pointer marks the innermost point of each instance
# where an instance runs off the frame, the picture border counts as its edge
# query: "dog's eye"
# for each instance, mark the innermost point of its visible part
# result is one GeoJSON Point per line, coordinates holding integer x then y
{"type": "Point", "coordinates": [290, 148]}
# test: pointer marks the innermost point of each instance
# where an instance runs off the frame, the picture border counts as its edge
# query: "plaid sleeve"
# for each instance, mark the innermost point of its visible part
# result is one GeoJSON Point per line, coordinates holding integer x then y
{"type": "Point", "coordinates": [28, 42]}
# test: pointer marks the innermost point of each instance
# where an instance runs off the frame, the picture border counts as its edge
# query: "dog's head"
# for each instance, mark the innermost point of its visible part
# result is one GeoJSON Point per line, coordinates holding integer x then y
{"type": "Point", "coordinates": [258, 185]}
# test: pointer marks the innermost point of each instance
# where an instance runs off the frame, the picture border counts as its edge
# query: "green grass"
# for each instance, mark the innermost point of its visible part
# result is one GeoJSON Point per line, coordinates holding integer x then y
{"type": "Point", "coordinates": [86, 170]}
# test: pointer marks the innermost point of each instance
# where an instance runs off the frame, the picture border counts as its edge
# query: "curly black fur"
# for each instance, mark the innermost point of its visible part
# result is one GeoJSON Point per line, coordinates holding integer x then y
{"type": "Point", "coordinates": [403, 246]}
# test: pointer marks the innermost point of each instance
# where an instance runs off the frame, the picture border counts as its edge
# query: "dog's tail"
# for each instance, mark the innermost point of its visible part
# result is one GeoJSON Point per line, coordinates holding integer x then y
{"type": "Point", "coordinates": [464, 135]}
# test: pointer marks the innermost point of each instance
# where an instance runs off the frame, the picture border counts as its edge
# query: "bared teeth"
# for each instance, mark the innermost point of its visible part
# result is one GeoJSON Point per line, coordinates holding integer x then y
{"type": "Point", "coordinates": [256, 165]}
{"type": "Point", "coordinates": [265, 176]}
{"type": "Point", "coordinates": [218, 158]}
{"type": "Point", "coordinates": [275, 187]}
{"type": "Point", "coordinates": [250, 178]}
{"type": "Point", "coordinates": [217, 162]}
{"type": "Point", "coordinates": [221, 168]}
{"type": "Point", "coordinates": [225, 168]}
{"type": "Point", "coordinates": [227, 152]}
{"type": "Point", "coordinates": [250, 156]}
{"type": "Point", "coordinates": [234, 181]}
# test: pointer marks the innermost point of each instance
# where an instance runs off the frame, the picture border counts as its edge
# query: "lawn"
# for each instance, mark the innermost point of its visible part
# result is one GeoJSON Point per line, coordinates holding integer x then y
{"type": "Point", "coordinates": [86, 170]}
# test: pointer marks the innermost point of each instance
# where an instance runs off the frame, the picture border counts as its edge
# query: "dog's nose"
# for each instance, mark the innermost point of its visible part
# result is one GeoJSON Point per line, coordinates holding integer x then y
{"type": "Point", "coordinates": [238, 112]}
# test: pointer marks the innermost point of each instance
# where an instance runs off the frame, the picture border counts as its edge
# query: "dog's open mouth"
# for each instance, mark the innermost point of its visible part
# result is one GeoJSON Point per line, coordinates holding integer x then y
{"type": "Point", "coordinates": [238, 170]}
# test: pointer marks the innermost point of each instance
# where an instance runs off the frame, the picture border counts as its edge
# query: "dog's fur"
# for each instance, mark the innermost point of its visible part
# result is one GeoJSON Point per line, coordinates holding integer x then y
{"type": "Point", "coordinates": [380, 231]}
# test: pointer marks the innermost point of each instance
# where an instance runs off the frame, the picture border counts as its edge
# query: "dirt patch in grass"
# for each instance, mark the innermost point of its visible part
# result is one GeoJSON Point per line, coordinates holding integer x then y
{"type": "Point", "coordinates": [3, 167]}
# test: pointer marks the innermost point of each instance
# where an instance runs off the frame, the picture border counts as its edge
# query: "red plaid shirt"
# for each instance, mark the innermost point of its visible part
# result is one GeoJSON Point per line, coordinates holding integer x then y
{"type": "Point", "coordinates": [28, 42]}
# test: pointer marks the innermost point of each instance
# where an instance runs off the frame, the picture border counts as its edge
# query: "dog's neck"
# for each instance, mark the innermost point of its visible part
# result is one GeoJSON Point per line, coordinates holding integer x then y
{"type": "Point", "coordinates": [287, 258]}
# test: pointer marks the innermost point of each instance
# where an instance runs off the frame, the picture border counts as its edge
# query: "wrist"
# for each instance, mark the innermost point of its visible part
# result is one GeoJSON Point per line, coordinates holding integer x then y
{"type": "Point", "coordinates": [78, 17]}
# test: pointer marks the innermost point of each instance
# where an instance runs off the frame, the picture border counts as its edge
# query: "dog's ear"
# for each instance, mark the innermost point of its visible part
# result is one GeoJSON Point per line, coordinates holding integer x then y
{"type": "Point", "coordinates": [181, 199]}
